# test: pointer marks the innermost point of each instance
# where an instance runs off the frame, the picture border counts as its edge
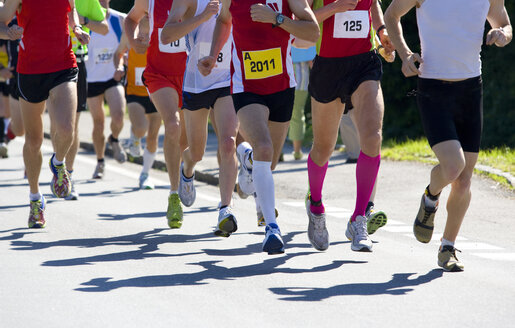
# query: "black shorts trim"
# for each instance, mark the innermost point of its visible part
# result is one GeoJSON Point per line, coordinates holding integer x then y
{"type": "Point", "coordinates": [333, 78]}
{"type": "Point", "coordinates": [13, 86]}
{"type": "Point", "coordinates": [82, 87]}
{"type": "Point", "coordinates": [452, 111]}
{"type": "Point", "coordinates": [280, 104]}
{"type": "Point", "coordinates": [35, 88]}
{"type": "Point", "coordinates": [144, 101]}
{"type": "Point", "coordinates": [206, 99]}
{"type": "Point", "coordinates": [99, 88]}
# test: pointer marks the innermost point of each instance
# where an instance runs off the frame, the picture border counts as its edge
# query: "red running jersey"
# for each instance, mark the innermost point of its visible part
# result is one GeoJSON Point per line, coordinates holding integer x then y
{"type": "Point", "coordinates": [45, 46]}
{"type": "Point", "coordinates": [345, 34]}
{"type": "Point", "coordinates": [261, 53]}
{"type": "Point", "coordinates": [164, 59]}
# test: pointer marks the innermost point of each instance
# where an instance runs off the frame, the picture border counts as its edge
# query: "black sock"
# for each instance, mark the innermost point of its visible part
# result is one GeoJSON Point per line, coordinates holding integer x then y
{"type": "Point", "coordinates": [2, 129]}
{"type": "Point", "coordinates": [431, 196]}
{"type": "Point", "coordinates": [112, 139]}
{"type": "Point", "coordinates": [101, 160]}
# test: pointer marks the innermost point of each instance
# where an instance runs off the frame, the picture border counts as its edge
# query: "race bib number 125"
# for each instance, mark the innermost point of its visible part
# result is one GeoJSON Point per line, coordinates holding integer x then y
{"type": "Point", "coordinates": [353, 24]}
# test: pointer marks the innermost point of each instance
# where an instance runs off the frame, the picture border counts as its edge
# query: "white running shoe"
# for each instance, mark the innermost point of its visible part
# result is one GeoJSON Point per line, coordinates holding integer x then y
{"type": "Point", "coordinates": [227, 223]}
{"type": "Point", "coordinates": [118, 153]}
{"type": "Point", "coordinates": [187, 192]}
{"type": "Point", "coordinates": [74, 195]}
{"type": "Point", "coordinates": [317, 232]}
{"type": "Point", "coordinates": [135, 147]}
{"type": "Point", "coordinates": [273, 243]}
{"type": "Point", "coordinates": [144, 182]}
{"type": "Point", "coordinates": [99, 171]}
{"type": "Point", "coordinates": [357, 233]}
{"type": "Point", "coordinates": [245, 182]}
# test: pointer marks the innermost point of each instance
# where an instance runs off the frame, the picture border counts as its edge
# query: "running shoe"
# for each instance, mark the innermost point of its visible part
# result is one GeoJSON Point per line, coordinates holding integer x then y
{"type": "Point", "coordinates": [317, 232]}
{"type": "Point", "coordinates": [447, 259]}
{"type": "Point", "coordinates": [61, 184]}
{"type": "Point", "coordinates": [226, 222]}
{"type": "Point", "coordinates": [144, 182]}
{"type": "Point", "coordinates": [424, 222]}
{"type": "Point", "coordinates": [261, 218]}
{"type": "Point", "coordinates": [3, 149]}
{"type": "Point", "coordinates": [273, 243]}
{"type": "Point", "coordinates": [74, 195]}
{"type": "Point", "coordinates": [245, 184]}
{"type": "Point", "coordinates": [375, 219]}
{"type": "Point", "coordinates": [241, 193]}
{"type": "Point", "coordinates": [99, 171]}
{"type": "Point", "coordinates": [37, 213]}
{"type": "Point", "coordinates": [297, 155]}
{"type": "Point", "coordinates": [118, 153]}
{"type": "Point", "coordinates": [187, 192]}
{"type": "Point", "coordinates": [135, 147]}
{"type": "Point", "coordinates": [174, 213]}
{"type": "Point", "coordinates": [357, 233]}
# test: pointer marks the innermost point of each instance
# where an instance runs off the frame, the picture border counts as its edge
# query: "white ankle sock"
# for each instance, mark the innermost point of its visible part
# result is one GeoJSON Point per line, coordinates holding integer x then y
{"type": "Point", "coordinates": [56, 162]}
{"type": "Point", "coordinates": [264, 185]}
{"type": "Point", "coordinates": [446, 242]}
{"type": "Point", "coordinates": [148, 160]}
{"type": "Point", "coordinates": [429, 202]}
{"type": "Point", "coordinates": [36, 196]}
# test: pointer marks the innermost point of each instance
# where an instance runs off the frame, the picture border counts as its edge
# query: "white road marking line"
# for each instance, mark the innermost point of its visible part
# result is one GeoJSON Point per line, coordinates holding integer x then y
{"type": "Point", "coordinates": [397, 228]}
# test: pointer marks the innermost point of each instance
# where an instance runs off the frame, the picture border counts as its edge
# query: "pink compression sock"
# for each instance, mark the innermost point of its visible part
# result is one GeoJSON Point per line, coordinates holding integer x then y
{"type": "Point", "coordinates": [316, 175]}
{"type": "Point", "coordinates": [366, 174]}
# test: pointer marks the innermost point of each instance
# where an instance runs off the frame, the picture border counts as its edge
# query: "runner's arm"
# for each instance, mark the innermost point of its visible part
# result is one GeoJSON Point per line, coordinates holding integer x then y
{"type": "Point", "coordinates": [123, 47]}
{"type": "Point", "coordinates": [332, 8]}
{"type": "Point", "coordinates": [178, 24]}
{"type": "Point", "coordinates": [378, 21]}
{"type": "Point", "coordinates": [8, 9]}
{"type": "Point", "coordinates": [502, 32]}
{"type": "Point", "coordinates": [220, 36]}
{"type": "Point", "coordinates": [392, 17]}
{"type": "Point", "coordinates": [137, 12]}
{"type": "Point", "coordinates": [73, 23]}
{"type": "Point", "coordinates": [100, 27]}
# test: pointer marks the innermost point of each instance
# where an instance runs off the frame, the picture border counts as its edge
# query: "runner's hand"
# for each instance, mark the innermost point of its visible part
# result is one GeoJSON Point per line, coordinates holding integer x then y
{"type": "Point", "coordinates": [496, 36]}
{"type": "Point", "coordinates": [15, 32]}
{"type": "Point", "coordinates": [211, 9]}
{"type": "Point", "coordinates": [408, 65]}
{"type": "Point", "coordinates": [6, 73]}
{"type": "Point", "coordinates": [386, 42]}
{"type": "Point", "coordinates": [262, 13]}
{"type": "Point", "coordinates": [119, 74]}
{"type": "Point", "coordinates": [345, 5]}
{"type": "Point", "coordinates": [206, 64]}
{"type": "Point", "coordinates": [140, 44]}
{"type": "Point", "coordinates": [82, 36]}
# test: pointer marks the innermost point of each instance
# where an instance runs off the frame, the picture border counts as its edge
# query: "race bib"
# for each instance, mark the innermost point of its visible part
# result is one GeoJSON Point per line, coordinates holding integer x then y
{"type": "Point", "coordinates": [103, 55]}
{"type": "Point", "coordinates": [260, 64]}
{"type": "Point", "coordinates": [223, 60]}
{"type": "Point", "coordinates": [138, 73]}
{"type": "Point", "coordinates": [353, 24]}
{"type": "Point", "coordinates": [173, 47]}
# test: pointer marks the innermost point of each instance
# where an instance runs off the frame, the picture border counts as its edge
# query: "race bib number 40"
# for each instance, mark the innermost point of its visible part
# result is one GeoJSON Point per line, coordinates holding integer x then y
{"type": "Point", "coordinates": [260, 64]}
{"type": "Point", "coordinates": [173, 47]}
{"type": "Point", "coordinates": [353, 24]}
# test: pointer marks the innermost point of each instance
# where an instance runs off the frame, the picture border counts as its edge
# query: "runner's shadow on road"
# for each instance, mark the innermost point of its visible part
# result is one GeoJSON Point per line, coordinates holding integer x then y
{"type": "Point", "coordinates": [17, 235]}
{"type": "Point", "coordinates": [148, 242]}
{"type": "Point", "coordinates": [211, 271]}
{"type": "Point", "coordinates": [400, 284]}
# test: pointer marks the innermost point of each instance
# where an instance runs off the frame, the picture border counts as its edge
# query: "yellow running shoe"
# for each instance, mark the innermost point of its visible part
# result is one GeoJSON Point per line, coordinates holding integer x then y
{"type": "Point", "coordinates": [174, 213]}
{"type": "Point", "coordinates": [448, 261]}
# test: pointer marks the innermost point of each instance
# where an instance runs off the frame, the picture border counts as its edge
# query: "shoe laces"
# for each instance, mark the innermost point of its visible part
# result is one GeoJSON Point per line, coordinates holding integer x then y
{"type": "Point", "coordinates": [36, 209]}
{"type": "Point", "coordinates": [61, 172]}
{"type": "Point", "coordinates": [319, 221]}
{"type": "Point", "coordinates": [360, 227]}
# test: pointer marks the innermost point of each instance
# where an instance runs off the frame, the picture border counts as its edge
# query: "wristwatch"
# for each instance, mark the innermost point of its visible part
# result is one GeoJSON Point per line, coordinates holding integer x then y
{"type": "Point", "coordinates": [279, 19]}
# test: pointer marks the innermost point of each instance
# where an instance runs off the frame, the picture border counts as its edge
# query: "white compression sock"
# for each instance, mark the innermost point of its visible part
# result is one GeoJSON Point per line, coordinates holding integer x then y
{"type": "Point", "coordinates": [148, 160]}
{"type": "Point", "coordinates": [264, 185]}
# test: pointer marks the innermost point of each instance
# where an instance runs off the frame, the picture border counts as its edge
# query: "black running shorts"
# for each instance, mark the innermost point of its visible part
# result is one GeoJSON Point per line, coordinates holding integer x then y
{"type": "Point", "coordinates": [333, 78]}
{"type": "Point", "coordinates": [145, 102]}
{"type": "Point", "coordinates": [206, 99]}
{"type": "Point", "coordinates": [452, 111]}
{"type": "Point", "coordinates": [280, 104]}
{"type": "Point", "coordinates": [35, 88]}
{"type": "Point", "coordinates": [99, 88]}
{"type": "Point", "coordinates": [82, 87]}
{"type": "Point", "coordinates": [4, 89]}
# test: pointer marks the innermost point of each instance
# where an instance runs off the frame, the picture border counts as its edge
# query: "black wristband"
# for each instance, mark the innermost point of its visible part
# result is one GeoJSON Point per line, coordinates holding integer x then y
{"type": "Point", "coordinates": [86, 21]}
{"type": "Point", "coordinates": [382, 27]}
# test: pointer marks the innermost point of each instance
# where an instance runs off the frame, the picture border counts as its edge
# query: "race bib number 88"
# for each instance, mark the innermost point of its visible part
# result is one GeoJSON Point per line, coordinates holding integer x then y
{"type": "Point", "coordinates": [173, 47]}
{"type": "Point", "coordinates": [353, 24]}
{"type": "Point", "coordinates": [260, 64]}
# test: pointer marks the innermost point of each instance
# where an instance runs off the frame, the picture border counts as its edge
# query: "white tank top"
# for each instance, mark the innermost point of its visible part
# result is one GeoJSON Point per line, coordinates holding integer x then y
{"type": "Point", "coordinates": [451, 34]}
{"type": "Point", "coordinates": [100, 66]}
{"type": "Point", "coordinates": [198, 43]}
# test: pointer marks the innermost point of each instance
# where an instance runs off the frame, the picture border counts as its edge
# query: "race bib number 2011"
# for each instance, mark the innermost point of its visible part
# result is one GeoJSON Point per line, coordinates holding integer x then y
{"type": "Point", "coordinates": [353, 24]}
{"type": "Point", "coordinates": [260, 64]}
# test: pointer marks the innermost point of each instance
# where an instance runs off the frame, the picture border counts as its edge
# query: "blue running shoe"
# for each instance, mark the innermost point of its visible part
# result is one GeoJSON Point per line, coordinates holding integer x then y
{"type": "Point", "coordinates": [273, 243]}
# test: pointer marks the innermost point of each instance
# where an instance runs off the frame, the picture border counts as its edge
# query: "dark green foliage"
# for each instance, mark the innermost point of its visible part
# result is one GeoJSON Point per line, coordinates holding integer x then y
{"type": "Point", "coordinates": [121, 5]}
{"type": "Point", "coordinates": [401, 115]}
